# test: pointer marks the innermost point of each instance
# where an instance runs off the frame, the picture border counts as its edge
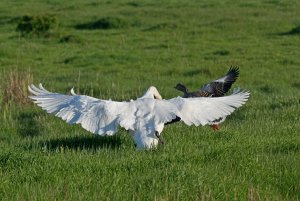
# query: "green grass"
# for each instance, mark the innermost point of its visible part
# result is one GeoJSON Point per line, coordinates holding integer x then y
{"type": "Point", "coordinates": [255, 156]}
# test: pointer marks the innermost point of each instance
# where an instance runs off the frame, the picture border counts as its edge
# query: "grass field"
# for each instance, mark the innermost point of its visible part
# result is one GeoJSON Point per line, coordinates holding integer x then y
{"type": "Point", "coordinates": [256, 154]}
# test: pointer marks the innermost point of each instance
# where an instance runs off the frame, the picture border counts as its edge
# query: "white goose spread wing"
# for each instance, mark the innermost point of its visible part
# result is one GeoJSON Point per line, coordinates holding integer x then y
{"type": "Point", "coordinates": [203, 110]}
{"type": "Point", "coordinates": [104, 116]}
{"type": "Point", "coordinates": [94, 115]}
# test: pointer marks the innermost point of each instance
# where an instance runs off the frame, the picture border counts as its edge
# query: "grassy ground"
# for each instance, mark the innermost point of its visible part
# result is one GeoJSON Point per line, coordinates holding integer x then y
{"type": "Point", "coordinates": [255, 156]}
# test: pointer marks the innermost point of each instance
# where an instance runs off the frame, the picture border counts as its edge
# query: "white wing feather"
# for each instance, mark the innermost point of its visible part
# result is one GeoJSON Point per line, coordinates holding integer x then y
{"type": "Point", "coordinates": [97, 116]}
{"type": "Point", "coordinates": [203, 110]}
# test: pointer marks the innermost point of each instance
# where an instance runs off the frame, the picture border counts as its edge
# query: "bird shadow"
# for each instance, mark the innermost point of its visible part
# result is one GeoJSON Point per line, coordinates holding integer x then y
{"type": "Point", "coordinates": [292, 32]}
{"type": "Point", "coordinates": [296, 85]}
{"type": "Point", "coordinates": [28, 125]}
{"type": "Point", "coordinates": [82, 143]}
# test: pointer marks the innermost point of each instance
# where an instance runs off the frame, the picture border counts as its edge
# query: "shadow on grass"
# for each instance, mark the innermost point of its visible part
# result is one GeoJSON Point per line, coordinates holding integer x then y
{"type": "Point", "coordinates": [296, 85]}
{"type": "Point", "coordinates": [293, 31]}
{"type": "Point", "coordinates": [104, 23]}
{"type": "Point", "coordinates": [70, 39]}
{"type": "Point", "coordinates": [81, 143]}
{"type": "Point", "coordinates": [221, 52]}
{"type": "Point", "coordinates": [27, 124]}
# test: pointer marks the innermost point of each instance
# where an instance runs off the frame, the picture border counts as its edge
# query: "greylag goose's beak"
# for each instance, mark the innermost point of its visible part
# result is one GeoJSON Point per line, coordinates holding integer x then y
{"type": "Point", "coordinates": [177, 86]}
{"type": "Point", "coordinates": [160, 140]}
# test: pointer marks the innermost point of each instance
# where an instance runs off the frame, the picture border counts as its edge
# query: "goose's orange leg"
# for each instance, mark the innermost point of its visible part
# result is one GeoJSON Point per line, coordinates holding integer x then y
{"type": "Point", "coordinates": [215, 127]}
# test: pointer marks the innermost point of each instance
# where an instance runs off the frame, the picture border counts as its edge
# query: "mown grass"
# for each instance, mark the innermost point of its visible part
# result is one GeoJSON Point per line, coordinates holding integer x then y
{"type": "Point", "coordinates": [255, 156]}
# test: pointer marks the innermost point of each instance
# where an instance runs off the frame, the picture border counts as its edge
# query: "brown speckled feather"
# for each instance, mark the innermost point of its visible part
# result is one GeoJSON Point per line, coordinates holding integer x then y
{"type": "Point", "coordinates": [215, 88]}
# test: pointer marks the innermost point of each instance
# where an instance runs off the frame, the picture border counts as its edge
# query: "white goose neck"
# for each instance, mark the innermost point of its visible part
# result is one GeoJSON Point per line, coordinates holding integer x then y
{"type": "Point", "coordinates": [152, 92]}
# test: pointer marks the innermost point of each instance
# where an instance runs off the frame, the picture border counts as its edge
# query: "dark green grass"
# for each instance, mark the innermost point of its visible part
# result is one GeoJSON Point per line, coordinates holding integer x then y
{"type": "Point", "coordinates": [254, 156]}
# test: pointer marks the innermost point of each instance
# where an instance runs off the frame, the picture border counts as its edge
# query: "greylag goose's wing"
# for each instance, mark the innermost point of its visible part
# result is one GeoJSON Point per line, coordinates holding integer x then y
{"type": "Point", "coordinates": [221, 86]}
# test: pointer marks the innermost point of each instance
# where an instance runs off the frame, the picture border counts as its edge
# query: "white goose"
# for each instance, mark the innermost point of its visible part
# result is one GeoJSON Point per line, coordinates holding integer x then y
{"type": "Point", "coordinates": [144, 117]}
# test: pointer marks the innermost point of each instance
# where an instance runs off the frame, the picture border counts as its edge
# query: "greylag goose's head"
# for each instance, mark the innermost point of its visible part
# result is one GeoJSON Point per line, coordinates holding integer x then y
{"type": "Point", "coordinates": [181, 87]}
